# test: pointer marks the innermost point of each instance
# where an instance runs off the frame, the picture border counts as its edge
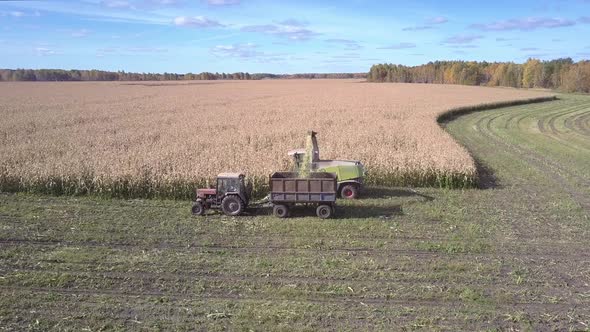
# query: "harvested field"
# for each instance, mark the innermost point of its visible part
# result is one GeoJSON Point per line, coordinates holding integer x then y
{"type": "Point", "coordinates": [158, 139]}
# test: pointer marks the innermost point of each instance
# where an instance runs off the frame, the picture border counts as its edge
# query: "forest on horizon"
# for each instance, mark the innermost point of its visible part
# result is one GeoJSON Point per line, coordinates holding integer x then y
{"type": "Point", "coordinates": [17, 75]}
{"type": "Point", "coordinates": [560, 74]}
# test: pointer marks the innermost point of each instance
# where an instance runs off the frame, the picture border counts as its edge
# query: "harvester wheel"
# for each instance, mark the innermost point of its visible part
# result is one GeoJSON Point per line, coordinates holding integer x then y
{"type": "Point", "coordinates": [198, 209]}
{"type": "Point", "coordinates": [280, 211]}
{"type": "Point", "coordinates": [349, 191]}
{"type": "Point", "coordinates": [232, 205]}
{"type": "Point", "coordinates": [324, 211]}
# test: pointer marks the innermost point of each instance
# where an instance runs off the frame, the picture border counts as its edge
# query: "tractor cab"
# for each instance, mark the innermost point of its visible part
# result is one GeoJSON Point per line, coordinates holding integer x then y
{"type": "Point", "coordinates": [231, 195]}
{"type": "Point", "coordinates": [233, 184]}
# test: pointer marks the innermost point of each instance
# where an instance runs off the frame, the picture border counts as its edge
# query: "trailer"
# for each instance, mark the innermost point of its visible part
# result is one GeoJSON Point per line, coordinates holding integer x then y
{"type": "Point", "coordinates": [318, 190]}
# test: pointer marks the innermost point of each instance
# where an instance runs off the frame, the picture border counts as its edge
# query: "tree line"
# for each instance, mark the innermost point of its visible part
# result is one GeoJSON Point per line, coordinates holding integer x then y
{"type": "Point", "coordinates": [560, 74]}
{"type": "Point", "coordinates": [100, 75]}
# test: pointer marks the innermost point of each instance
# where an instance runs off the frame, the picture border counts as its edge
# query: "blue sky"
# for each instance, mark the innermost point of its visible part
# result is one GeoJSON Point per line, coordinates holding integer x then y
{"type": "Point", "coordinates": [285, 36]}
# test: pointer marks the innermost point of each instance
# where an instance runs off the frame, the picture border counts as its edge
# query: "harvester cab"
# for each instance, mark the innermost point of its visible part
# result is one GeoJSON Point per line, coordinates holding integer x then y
{"type": "Point", "coordinates": [231, 195]}
{"type": "Point", "coordinates": [350, 173]}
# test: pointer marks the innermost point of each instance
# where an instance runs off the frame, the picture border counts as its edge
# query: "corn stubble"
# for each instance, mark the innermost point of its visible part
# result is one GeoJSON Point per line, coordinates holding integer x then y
{"type": "Point", "coordinates": [164, 139]}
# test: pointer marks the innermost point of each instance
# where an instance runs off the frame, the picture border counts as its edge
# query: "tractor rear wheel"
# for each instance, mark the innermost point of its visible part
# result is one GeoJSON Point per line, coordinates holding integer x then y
{"type": "Point", "coordinates": [232, 205]}
{"type": "Point", "coordinates": [198, 209]}
{"type": "Point", "coordinates": [324, 211]}
{"type": "Point", "coordinates": [349, 191]}
{"type": "Point", "coordinates": [280, 211]}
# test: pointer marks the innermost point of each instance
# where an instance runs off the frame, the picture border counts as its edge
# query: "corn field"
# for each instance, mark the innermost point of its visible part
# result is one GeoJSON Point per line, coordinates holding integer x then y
{"type": "Point", "coordinates": [154, 139]}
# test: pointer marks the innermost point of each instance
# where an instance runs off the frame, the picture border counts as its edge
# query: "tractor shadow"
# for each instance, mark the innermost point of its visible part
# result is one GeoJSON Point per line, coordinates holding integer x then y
{"type": "Point", "coordinates": [342, 211]}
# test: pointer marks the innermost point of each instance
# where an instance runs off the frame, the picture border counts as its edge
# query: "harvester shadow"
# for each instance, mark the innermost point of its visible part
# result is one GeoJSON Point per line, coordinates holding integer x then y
{"type": "Point", "coordinates": [362, 208]}
{"type": "Point", "coordinates": [486, 177]}
{"type": "Point", "coordinates": [369, 211]}
{"type": "Point", "coordinates": [385, 192]}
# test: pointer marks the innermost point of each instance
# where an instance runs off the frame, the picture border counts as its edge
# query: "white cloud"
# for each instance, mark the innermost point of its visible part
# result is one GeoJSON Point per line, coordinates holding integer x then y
{"type": "Point", "coordinates": [524, 24]}
{"type": "Point", "coordinates": [462, 39]}
{"type": "Point", "coordinates": [102, 52]}
{"type": "Point", "coordinates": [348, 44]}
{"type": "Point", "coordinates": [418, 28]}
{"type": "Point", "coordinates": [437, 20]}
{"type": "Point", "coordinates": [429, 24]}
{"type": "Point", "coordinates": [164, 2]}
{"type": "Point", "coordinates": [44, 51]}
{"type": "Point", "coordinates": [247, 50]}
{"type": "Point", "coordinates": [223, 2]}
{"type": "Point", "coordinates": [346, 56]}
{"type": "Point", "coordinates": [399, 46]}
{"type": "Point", "coordinates": [196, 21]}
{"type": "Point", "coordinates": [80, 33]}
{"type": "Point", "coordinates": [290, 29]}
{"type": "Point", "coordinates": [147, 50]}
{"type": "Point", "coordinates": [116, 4]}
{"type": "Point", "coordinates": [18, 14]}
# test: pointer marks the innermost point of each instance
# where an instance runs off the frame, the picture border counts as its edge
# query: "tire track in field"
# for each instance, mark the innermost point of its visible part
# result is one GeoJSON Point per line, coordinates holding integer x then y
{"type": "Point", "coordinates": [510, 251]}
{"type": "Point", "coordinates": [520, 149]}
{"type": "Point", "coordinates": [550, 118]}
{"type": "Point", "coordinates": [501, 279]}
{"type": "Point", "coordinates": [484, 126]}
{"type": "Point", "coordinates": [341, 300]}
{"type": "Point", "coordinates": [557, 135]}
{"type": "Point", "coordinates": [179, 311]}
{"type": "Point", "coordinates": [359, 319]}
{"type": "Point", "coordinates": [540, 163]}
{"type": "Point", "coordinates": [243, 239]}
{"type": "Point", "coordinates": [234, 248]}
{"type": "Point", "coordinates": [532, 156]}
{"type": "Point", "coordinates": [582, 124]}
{"type": "Point", "coordinates": [519, 115]}
{"type": "Point", "coordinates": [576, 122]}
{"type": "Point", "coordinates": [220, 247]}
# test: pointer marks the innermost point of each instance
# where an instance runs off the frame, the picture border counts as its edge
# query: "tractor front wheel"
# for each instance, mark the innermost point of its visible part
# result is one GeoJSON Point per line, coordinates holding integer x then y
{"type": "Point", "coordinates": [232, 205]}
{"type": "Point", "coordinates": [349, 191]}
{"type": "Point", "coordinates": [280, 211]}
{"type": "Point", "coordinates": [324, 211]}
{"type": "Point", "coordinates": [198, 209]}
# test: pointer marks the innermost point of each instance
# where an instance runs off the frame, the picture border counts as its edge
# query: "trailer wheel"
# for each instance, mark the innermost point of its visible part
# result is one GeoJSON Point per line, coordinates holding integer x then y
{"type": "Point", "coordinates": [349, 191]}
{"type": "Point", "coordinates": [232, 205]}
{"type": "Point", "coordinates": [280, 211]}
{"type": "Point", "coordinates": [324, 211]}
{"type": "Point", "coordinates": [198, 209]}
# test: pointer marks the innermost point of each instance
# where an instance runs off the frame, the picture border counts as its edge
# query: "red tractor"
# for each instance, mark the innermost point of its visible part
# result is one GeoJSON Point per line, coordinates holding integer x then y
{"type": "Point", "coordinates": [231, 195]}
